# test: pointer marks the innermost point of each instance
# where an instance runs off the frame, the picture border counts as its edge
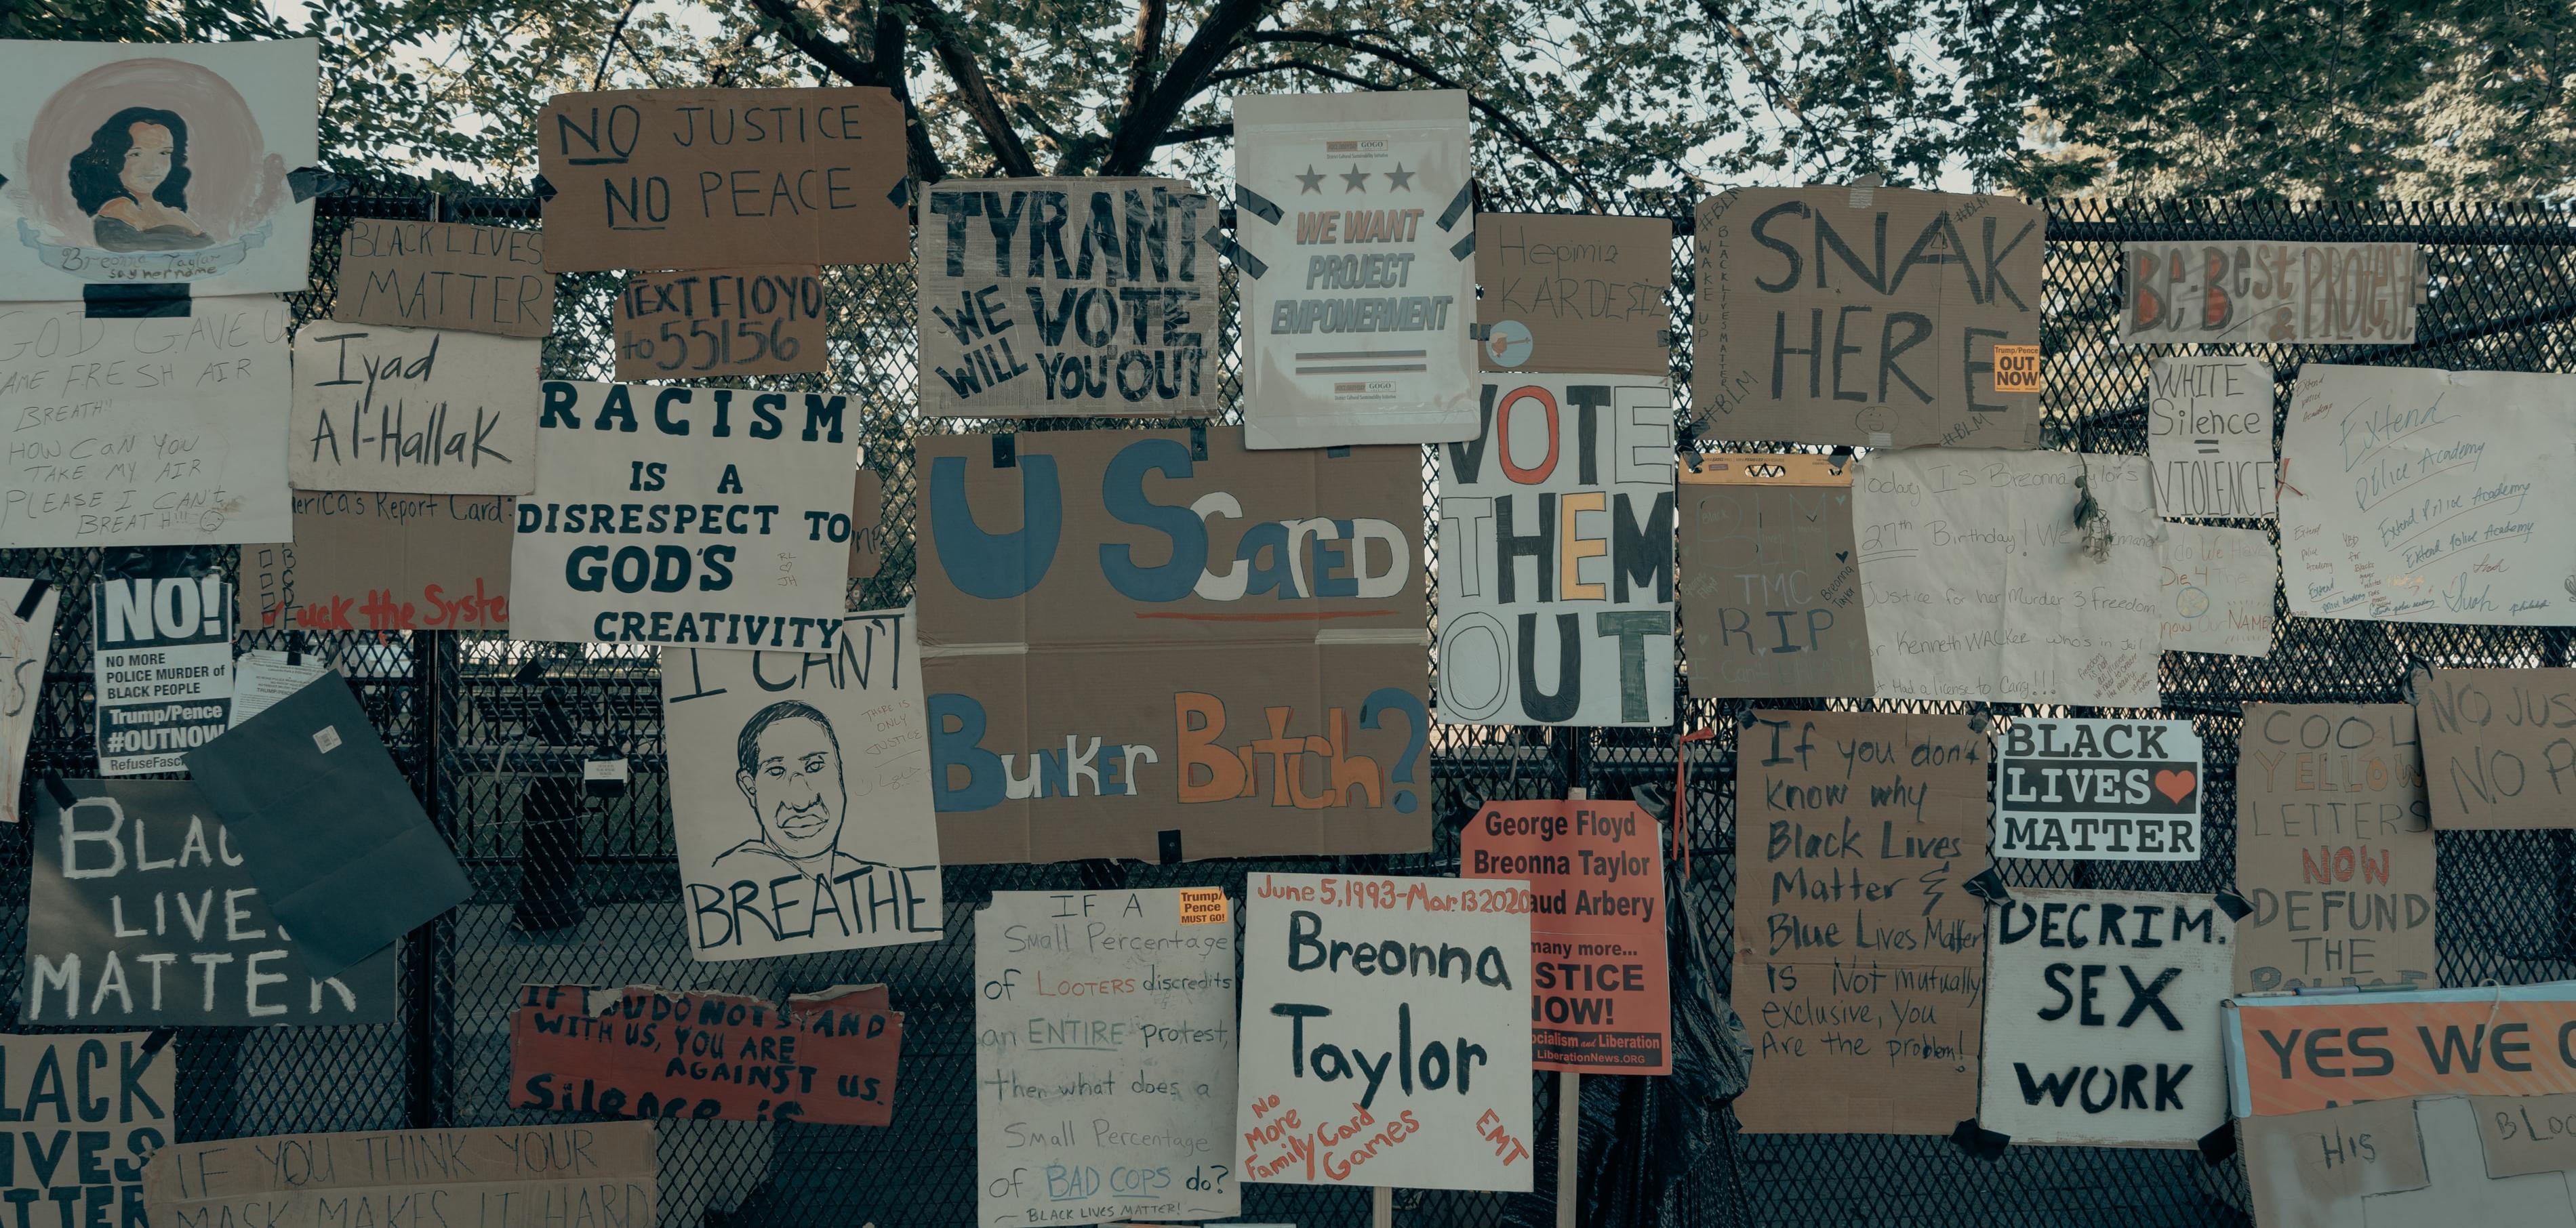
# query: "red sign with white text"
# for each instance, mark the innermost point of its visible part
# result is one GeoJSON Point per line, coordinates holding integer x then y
{"type": "Point", "coordinates": [1601, 998]}
{"type": "Point", "coordinates": [647, 1052]}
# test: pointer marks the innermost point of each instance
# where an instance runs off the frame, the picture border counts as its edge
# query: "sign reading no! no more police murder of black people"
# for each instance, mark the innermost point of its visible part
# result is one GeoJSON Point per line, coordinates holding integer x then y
{"type": "Point", "coordinates": [685, 516]}
{"type": "Point", "coordinates": [2072, 790]}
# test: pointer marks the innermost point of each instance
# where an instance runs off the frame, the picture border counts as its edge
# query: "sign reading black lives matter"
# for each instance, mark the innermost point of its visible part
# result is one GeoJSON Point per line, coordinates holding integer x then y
{"type": "Point", "coordinates": [2102, 1020]}
{"type": "Point", "coordinates": [1067, 296]}
{"type": "Point", "coordinates": [2069, 790]}
{"type": "Point", "coordinates": [164, 658]}
{"type": "Point", "coordinates": [142, 913]}
{"type": "Point", "coordinates": [689, 516]}
{"type": "Point", "coordinates": [98, 1140]}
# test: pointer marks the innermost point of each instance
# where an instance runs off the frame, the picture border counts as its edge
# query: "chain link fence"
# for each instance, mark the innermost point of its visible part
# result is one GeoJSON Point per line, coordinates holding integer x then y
{"type": "Point", "coordinates": [574, 889]}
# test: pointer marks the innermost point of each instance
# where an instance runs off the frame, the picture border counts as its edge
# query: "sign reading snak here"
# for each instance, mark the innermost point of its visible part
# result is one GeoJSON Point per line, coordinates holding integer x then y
{"type": "Point", "coordinates": [2098, 790]}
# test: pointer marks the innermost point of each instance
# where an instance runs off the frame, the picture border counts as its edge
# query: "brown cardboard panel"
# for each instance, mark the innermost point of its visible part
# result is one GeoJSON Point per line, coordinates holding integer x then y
{"type": "Point", "coordinates": [2311, 1170]}
{"type": "Point", "coordinates": [481, 279]}
{"type": "Point", "coordinates": [2330, 807]}
{"type": "Point", "coordinates": [715, 323]}
{"type": "Point", "coordinates": [596, 1172]}
{"type": "Point", "coordinates": [1573, 292]}
{"type": "Point", "coordinates": [2499, 747]}
{"type": "Point", "coordinates": [1769, 578]}
{"type": "Point", "coordinates": [370, 561]}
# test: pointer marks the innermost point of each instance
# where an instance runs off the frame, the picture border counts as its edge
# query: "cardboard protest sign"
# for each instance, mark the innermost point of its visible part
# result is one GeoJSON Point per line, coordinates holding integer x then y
{"type": "Point", "coordinates": [1067, 297]}
{"type": "Point", "coordinates": [162, 650]}
{"type": "Point", "coordinates": [144, 164]}
{"type": "Point", "coordinates": [471, 1177]}
{"type": "Point", "coordinates": [800, 786]}
{"type": "Point", "coordinates": [1770, 578]}
{"type": "Point", "coordinates": [1574, 292]}
{"type": "Point", "coordinates": [2525, 1134]}
{"type": "Point", "coordinates": [341, 850]}
{"type": "Point", "coordinates": [27, 609]}
{"type": "Point", "coordinates": [1859, 956]}
{"type": "Point", "coordinates": [1574, 475]}
{"type": "Point", "coordinates": [141, 913]}
{"type": "Point", "coordinates": [413, 409]}
{"type": "Point", "coordinates": [128, 1108]}
{"type": "Point", "coordinates": [369, 561]}
{"type": "Point", "coordinates": [1979, 586]}
{"type": "Point", "coordinates": [2071, 790]}
{"type": "Point", "coordinates": [2209, 436]}
{"type": "Point", "coordinates": [2334, 849]}
{"type": "Point", "coordinates": [2295, 1054]}
{"type": "Point", "coordinates": [1356, 308]}
{"type": "Point", "coordinates": [724, 178]}
{"type": "Point", "coordinates": [476, 279]}
{"type": "Point", "coordinates": [717, 325]}
{"type": "Point", "coordinates": [1179, 650]}
{"type": "Point", "coordinates": [156, 431]}
{"type": "Point", "coordinates": [2376, 1162]}
{"type": "Point", "coordinates": [2412, 495]}
{"type": "Point", "coordinates": [1410, 1062]}
{"type": "Point", "coordinates": [646, 1052]}
{"type": "Point", "coordinates": [1861, 316]}
{"type": "Point", "coordinates": [2499, 747]}
{"type": "Point", "coordinates": [2270, 293]}
{"type": "Point", "coordinates": [669, 515]}
{"type": "Point", "coordinates": [1601, 988]}
{"type": "Point", "coordinates": [2102, 1027]}
{"type": "Point", "coordinates": [1120, 1002]}
{"type": "Point", "coordinates": [2217, 587]}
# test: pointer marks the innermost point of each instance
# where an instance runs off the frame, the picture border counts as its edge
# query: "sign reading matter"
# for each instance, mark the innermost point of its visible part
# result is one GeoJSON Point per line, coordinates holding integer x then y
{"type": "Point", "coordinates": [163, 652]}
{"type": "Point", "coordinates": [98, 1141]}
{"type": "Point", "coordinates": [717, 325]}
{"type": "Point", "coordinates": [2334, 849]}
{"type": "Point", "coordinates": [685, 516]}
{"type": "Point", "coordinates": [2102, 1029]}
{"type": "Point", "coordinates": [2271, 293]}
{"type": "Point", "coordinates": [647, 1052]}
{"type": "Point", "coordinates": [413, 409]}
{"type": "Point", "coordinates": [1600, 989]}
{"type": "Point", "coordinates": [479, 279]}
{"type": "Point", "coordinates": [2209, 437]}
{"type": "Point", "coordinates": [2071, 790]}
{"type": "Point", "coordinates": [516, 1176]}
{"type": "Point", "coordinates": [1105, 1059]}
{"type": "Point", "coordinates": [1386, 1033]}
{"type": "Point", "coordinates": [1556, 535]}
{"type": "Point", "coordinates": [1067, 296]}
{"type": "Point", "coordinates": [2499, 747]}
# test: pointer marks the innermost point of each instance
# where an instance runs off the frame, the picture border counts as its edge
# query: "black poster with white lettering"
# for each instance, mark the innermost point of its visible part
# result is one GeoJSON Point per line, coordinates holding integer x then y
{"type": "Point", "coordinates": [2068, 790]}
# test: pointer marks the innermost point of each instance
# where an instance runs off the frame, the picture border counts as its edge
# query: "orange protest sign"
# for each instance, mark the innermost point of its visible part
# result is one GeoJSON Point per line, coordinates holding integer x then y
{"type": "Point", "coordinates": [1601, 999]}
{"type": "Point", "coordinates": [2298, 1054]}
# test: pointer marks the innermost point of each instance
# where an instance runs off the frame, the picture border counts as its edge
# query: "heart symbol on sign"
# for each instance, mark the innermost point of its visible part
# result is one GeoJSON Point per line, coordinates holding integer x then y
{"type": "Point", "coordinates": [1843, 555]}
{"type": "Point", "coordinates": [2176, 785]}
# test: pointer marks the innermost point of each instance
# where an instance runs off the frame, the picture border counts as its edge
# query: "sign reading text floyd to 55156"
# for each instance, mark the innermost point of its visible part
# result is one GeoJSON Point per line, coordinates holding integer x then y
{"type": "Point", "coordinates": [1067, 296]}
{"type": "Point", "coordinates": [2499, 747]}
{"type": "Point", "coordinates": [481, 279]}
{"type": "Point", "coordinates": [1858, 316]}
{"type": "Point", "coordinates": [1556, 531]}
{"type": "Point", "coordinates": [1859, 954]}
{"type": "Point", "coordinates": [413, 409]}
{"type": "Point", "coordinates": [516, 1176]}
{"type": "Point", "coordinates": [687, 516]}
{"type": "Point", "coordinates": [1600, 988]}
{"type": "Point", "coordinates": [86, 1154]}
{"type": "Point", "coordinates": [1386, 1034]}
{"type": "Point", "coordinates": [724, 178]}
{"type": "Point", "coordinates": [719, 324]}
{"type": "Point", "coordinates": [162, 651]}
{"type": "Point", "coordinates": [1769, 578]}
{"type": "Point", "coordinates": [2334, 849]}
{"type": "Point", "coordinates": [1574, 292]}
{"type": "Point", "coordinates": [1157, 644]}
{"type": "Point", "coordinates": [647, 1052]}
{"type": "Point", "coordinates": [2072, 790]}
{"type": "Point", "coordinates": [2102, 1024]}
{"type": "Point", "coordinates": [2270, 293]}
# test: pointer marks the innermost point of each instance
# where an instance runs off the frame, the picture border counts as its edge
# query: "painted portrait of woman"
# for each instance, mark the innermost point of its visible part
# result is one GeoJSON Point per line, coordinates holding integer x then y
{"type": "Point", "coordinates": [133, 182]}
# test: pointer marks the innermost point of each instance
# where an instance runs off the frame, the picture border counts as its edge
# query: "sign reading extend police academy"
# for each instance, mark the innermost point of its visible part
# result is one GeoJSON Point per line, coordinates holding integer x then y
{"type": "Point", "coordinates": [684, 516]}
{"type": "Point", "coordinates": [1067, 296]}
{"type": "Point", "coordinates": [100, 1139]}
{"type": "Point", "coordinates": [2070, 790]}
{"type": "Point", "coordinates": [141, 914]}
{"type": "Point", "coordinates": [2102, 1019]}
{"type": "Point", "coordinates": [163, 653]}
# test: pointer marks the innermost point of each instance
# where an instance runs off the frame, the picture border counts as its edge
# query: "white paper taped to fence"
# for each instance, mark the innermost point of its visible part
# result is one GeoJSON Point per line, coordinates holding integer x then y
{"type": "Point", "coordinates": [2209, 436]}
{"type": "Point", "coordinates": [2218, 585]}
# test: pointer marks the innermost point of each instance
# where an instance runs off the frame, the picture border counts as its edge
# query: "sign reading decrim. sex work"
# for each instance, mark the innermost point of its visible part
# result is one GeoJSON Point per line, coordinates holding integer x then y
{"type": "Point", "coordinates": [686, 516]}
{"type": "Point", "coordinates": [2098, 790]}
{"type": "Point", "coordinates": [1556, 524]}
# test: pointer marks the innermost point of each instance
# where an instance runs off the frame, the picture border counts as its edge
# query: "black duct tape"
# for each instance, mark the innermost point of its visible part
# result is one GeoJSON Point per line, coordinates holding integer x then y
{"type": "Point", "coordinates": [1989, 886]}
{"type": "Point", "coordinates": [1006, 451]}
{"type": "Point", "coordinates": [542, 190]}
{"type": "Point", "coordinates": [901, 193]}
{"type": "Point", "coordinates": [1224, 244]}
{"type": "Point", "coordinates": [1256, 204]}
{"type": "Point", "coordinates": [159, 1040]}
{"type": "Point", "coordinates": [308, 182]}
{"type": "Point", "coordinates": [1979, 1141]}
{"type": "Point", "coordinates": [60, 792]}
{"type": "Point", "coordinates": [2234, 905]}
{"type": "Point", "coordinates": [1338, 450]}
{"type": "Point", "coordinates": [1169, 842]}
{"type": "Point", "coordinates": [33, 597]}
{"type": "Point", "coordinates": [133, 301]}
{"type": "Point", "coordinates": [2219, 1144]}
{"type": "Point", "coordinates": [1458, 206]}
{"type": "Point", "coordinates": [1198, 441]}
{"type": "Point", "coordinates": [1464, 247]}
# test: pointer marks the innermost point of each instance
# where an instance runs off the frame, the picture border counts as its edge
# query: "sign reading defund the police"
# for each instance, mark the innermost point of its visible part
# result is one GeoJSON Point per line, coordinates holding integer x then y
{"type": "Point", "coordinates": [1556, 541]}
{"type": "Point", "coordinates": [717, 517]}
{"type": "Point", "coordinates": [86, 1110]}
{"type": "Point", "coordinates": [2102, 1024]}
{"type": "Point", "coordinates": [1066, 296]}
{"type": "Point", "coordinates": [2068, 790]}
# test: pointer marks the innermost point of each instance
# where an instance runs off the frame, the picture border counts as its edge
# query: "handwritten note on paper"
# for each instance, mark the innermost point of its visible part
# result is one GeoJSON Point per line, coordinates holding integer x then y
{"type": "Point", "coordinates": [421, 410]}
{"type": "Point", "coordinates": [2217, 586]}
{"type": "Point", "coordinates": [1976, 583]}
{"type": "Point", "coordinates": [515, 1176]}
{"type": "Point", "coordinates": [2413, 495]}
{"type": "Point", "coordinates": [2209, 436]}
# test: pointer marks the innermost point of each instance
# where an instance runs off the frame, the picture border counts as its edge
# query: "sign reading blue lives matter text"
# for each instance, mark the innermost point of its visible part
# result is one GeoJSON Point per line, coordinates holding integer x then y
{"type": "Point", "coordinates": [686, 516]}
{"type": "Point", "coordinates": [2069, 790]}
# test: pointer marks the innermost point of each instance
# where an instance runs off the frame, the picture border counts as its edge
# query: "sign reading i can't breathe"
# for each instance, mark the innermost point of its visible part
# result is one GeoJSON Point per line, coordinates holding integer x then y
{"type": "Point", "coordinates": [2069, 790]}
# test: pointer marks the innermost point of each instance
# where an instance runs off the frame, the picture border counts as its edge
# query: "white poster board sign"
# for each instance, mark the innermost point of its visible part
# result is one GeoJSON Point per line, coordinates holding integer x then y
{"type": "Point", "coordinates": [2078, 790]}
{"type": "Point", "coordinates": [420, 410]}
{"type": "Point", "coordinates": [1355, 236]}
{"type": "Point", "coordinates": [1977, 585]}
{"type": "Point", "coordinates": [2209, 436]}
{"type": "Point", "coordinates": [151, 431]}
{"type": "Point", "coordinates": [136, 164]}
{"type": "Point", "coordinates": [27, 609]}
{"type": "Point", "coordinates": [263, 676]}
{"type": "Point", "coordinates": [800, 788]}
{"type": "Point", "coordinates": [1407, 1066]}
{"type": "Point", "coordinates": [1556, 602]}
{"type": "Point", "coordinates": [2417, 495]}
{"type": "Point", "coordinates": [2218, 585]}
{"type": "Point", "coordinates": [2102, 1025]}
{"type": "Point", "coordinates": [685, 516]}
{"type": "Point", "coordinates": [1118, 1004]}
{"type": "Point", "coordinates": [163, 655]}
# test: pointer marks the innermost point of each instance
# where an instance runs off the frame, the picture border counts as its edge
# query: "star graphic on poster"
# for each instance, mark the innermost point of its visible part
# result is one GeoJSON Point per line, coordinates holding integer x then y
{"type": "Point", "coordinates": [1311, 181]}
{"type": "Point", "coordinates": [1400, 178]}
{"type": "Point", "coordinates": [1354, 181]}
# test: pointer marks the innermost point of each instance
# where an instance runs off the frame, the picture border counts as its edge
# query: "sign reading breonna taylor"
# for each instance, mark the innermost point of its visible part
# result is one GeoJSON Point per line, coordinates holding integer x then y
{"type": "Point", "coordinates": [685, 516]}
{"type": "Point", "coordinates": [2071, 790]}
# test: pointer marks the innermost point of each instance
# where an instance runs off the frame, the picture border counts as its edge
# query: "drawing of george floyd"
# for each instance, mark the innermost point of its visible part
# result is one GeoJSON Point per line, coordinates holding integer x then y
{"type": "Point", "coordinates": [790, 773]}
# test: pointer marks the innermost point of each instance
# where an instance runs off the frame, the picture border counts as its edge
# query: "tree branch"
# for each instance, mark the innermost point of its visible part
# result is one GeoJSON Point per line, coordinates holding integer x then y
{"type": "Point", "coordinates": [1141, 129]}
{"type": "Point", "coordinates": [959, 61]}
{"type": "Point", "coordinates": [889, 46]}
{"type": "Point", "coordinates": [1201, 132]}
{"type": "Point", "coordinates": [801, 33]}
{"type": "Point", "coordinates": [616, 34]}
{"type": "Point", "coordinates": [1150, 17]}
